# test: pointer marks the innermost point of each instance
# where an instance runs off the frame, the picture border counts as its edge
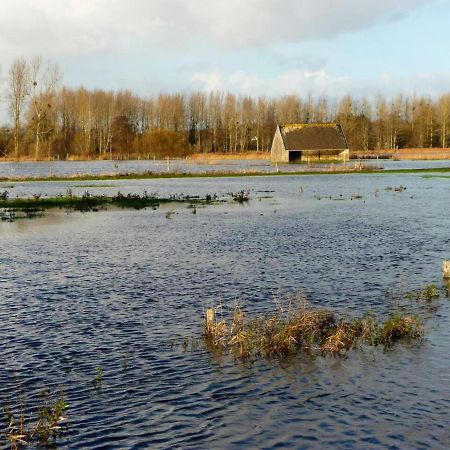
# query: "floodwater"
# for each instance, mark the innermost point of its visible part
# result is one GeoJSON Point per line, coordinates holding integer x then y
{"type": "Point", "coordinates": [122, 289]}
{"type": "Point", "coordinates": [71, 168]}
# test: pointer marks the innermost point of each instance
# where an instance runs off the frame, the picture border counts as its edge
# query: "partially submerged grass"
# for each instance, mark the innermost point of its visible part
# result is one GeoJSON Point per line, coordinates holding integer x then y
{"type": "Point", "coordinates": [12, 214]}
{"type": "Point", "coordinates": [426, 294]}
{"type": "Point", "coordinates": [13, 208]}
{"type": "Point", "coordinates": [97, 381]}
{"type": "Point", "coordinates": [41, 425]}
{"type": "Point", "coordinates": [241, 196]}
{"type": "Point", "coordinates": [305, 329]}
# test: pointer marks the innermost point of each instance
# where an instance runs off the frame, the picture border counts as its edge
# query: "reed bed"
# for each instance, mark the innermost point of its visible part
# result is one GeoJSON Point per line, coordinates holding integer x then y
{"type": "Point", "coordinates": [304, 328]}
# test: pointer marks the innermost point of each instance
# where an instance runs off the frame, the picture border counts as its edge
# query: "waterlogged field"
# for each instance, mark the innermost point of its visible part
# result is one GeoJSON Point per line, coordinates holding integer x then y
{"type": "Point", "coordinates": [108, 306]}
{"type": "Point", "coordinates": [179, 166]}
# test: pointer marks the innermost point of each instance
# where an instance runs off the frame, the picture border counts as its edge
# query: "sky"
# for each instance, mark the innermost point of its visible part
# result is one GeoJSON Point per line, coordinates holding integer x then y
{"type": "Point", "coordinates": [254, 47]}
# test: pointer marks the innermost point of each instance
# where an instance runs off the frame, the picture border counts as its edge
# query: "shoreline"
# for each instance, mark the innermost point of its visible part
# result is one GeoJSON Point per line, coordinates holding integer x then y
{"type": "Point", "coordinates": [153, 175]}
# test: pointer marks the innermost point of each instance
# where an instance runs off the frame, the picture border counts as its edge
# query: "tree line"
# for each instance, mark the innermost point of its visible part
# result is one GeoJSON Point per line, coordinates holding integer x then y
{"type": "Point", "coordinates": [50, 120]}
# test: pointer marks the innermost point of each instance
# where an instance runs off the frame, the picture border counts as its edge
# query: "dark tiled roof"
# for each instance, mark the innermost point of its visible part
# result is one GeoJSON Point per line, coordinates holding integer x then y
{"type": "Point", "coordinates": [309, 136]}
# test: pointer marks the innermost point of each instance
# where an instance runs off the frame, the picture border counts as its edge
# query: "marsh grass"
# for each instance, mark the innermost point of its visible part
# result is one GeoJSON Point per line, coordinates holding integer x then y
{"type": "Point", "coordinates": [241, 196]}
{"type": "Point", "coordinates": [40, 425]}
{"type": "Point", "coordinates": [14, 208]}
{"type": "Point", "coordinates": [426, 294]}
{"type": "Point", "coordinates": [302, 329]}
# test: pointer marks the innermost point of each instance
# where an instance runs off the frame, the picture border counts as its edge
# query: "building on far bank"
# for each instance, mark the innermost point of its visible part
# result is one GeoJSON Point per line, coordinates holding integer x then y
{"type": "Point", "coordinates": [299, 142]}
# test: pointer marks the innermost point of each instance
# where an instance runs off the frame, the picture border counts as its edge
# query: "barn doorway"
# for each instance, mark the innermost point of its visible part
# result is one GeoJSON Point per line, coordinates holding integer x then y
{"type": "Point", "coordinates": [295, 157]}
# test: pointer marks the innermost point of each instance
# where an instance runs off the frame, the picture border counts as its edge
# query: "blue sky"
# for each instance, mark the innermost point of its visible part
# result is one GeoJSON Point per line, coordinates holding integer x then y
{"type": "Point", "coordinates": [256, 47]}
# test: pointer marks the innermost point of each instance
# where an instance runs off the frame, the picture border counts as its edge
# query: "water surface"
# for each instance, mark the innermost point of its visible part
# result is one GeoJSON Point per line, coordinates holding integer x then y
{"type": "Point", "coordinates": [121, 289]}
{"type": "Point", "coordinates": [71, 168]}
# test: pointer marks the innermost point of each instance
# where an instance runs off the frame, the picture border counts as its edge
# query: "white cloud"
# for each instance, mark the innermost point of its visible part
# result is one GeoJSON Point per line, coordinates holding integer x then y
{"type": "Point", "coordinates": [422, 83]}
{"type": "Point", "coordinates": [292, 82]}
{"type": "Point", "coordinates": [72, 27]}
{"type": "Point", "coordinates": [258, 22]}
{"type": "Point", "coordinates": [320, 83]}
{"type": "Point", "coordinates": [79, 27]}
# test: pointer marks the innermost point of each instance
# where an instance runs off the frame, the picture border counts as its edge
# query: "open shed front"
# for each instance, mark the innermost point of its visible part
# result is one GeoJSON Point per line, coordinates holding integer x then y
{"type": "Point", "coordinates": [295, 156]}
{"type": "Point", "coordinates": [317, 155]}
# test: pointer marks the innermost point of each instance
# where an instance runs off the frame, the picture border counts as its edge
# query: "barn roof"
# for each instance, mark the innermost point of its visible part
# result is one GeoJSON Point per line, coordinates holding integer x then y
{"type": "Point", "coordinates": [313, 136]}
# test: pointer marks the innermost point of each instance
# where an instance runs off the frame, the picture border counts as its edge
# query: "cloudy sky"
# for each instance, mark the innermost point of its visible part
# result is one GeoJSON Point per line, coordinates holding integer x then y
{"type": "Point", "coordinates": [270, 47]}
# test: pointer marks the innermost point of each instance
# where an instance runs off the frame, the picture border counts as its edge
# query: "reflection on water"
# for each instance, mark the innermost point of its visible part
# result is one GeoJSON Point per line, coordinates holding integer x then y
{"type": "Point", "coordinates": [121, 289]}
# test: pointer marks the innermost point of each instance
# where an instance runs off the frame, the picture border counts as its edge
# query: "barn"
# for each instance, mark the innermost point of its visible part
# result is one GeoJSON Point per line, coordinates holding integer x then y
{"type": "Point", "coordinates": [300, 142]}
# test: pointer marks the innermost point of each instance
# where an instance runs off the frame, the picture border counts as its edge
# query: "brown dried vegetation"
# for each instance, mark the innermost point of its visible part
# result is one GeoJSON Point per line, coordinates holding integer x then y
{"type": "Point", "coordinates": [305, 329]}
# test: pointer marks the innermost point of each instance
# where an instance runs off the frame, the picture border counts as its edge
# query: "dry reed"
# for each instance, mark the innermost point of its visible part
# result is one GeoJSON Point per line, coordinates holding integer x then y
{"type": "Point", "coordinates": [303, 328]}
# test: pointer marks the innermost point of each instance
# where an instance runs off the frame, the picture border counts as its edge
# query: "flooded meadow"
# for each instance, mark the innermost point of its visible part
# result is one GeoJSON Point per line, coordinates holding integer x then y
{"type": "Point", "coordinates": [108, 306]}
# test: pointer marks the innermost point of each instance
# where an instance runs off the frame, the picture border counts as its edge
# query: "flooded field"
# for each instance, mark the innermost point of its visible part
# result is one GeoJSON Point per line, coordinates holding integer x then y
{"type": "Point", "coordinates": [72, 168]}
{"type": "Point", "coordinates": [125, 291]}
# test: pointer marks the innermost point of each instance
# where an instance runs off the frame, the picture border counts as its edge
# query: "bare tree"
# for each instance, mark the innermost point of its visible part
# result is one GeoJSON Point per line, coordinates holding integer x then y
{"type": "Point", "coordinates": [18, 90]}
{"type": "Point", "coordinates": [444, 118]}
{"type": "Point", "coordinates": [44, 82]}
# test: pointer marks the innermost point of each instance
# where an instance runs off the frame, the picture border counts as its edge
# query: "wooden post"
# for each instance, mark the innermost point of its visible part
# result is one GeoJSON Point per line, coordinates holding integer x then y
{"type": "Point", "coordinates": [209, 320]}
{"type": "Point", "coordinates": [446, 269]}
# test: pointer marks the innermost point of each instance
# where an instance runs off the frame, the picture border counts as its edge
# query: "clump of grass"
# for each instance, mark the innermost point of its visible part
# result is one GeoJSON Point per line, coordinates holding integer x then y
{"type": "Point", "coordinates": [426, 294]}
{"type": "Point", "coordinates": [398, 327]}
{"type": "Point", "coordinates": [97, 381]}
{"type": "Point", "coordinates": [241, 196]}
{"type": "Point", "coordinates": [400, 188]}
{"type": "Point", "coordinates": [350, 334]}
{"type": "Point", "coordinates": [304, 329]}
{"type": "Point", "coordinates": [41, 426]}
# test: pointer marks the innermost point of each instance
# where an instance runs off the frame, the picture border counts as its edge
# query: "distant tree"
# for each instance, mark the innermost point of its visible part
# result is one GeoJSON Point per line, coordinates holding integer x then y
{"type": "Point", "coordinates": [163, 143]}
{"type": "Point", "coordinates": [44, 82]}
{"type": "Point", "coordinates": [4, 141]}
{"type": "Point", "coordinates": [444, 119]}
{"type": "Point", "coordinates": [18, 90]}
{"type": "Point", "coordinates": [122, 135]}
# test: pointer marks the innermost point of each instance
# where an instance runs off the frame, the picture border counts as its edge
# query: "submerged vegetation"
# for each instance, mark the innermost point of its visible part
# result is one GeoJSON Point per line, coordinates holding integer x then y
{"type": "Point", "coordinates": [14, 208]}
{"type": "Point", "coordinates": [241, 196]}
{"type": "Point", "coordinates": [426, 294]}
{"type": "Point", "coordinates": [40, 425]}
{"type": "Point", "coordinates": [303, 328]}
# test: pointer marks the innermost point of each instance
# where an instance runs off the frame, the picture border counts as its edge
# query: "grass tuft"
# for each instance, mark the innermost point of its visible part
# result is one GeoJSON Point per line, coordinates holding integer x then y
{"type": "Point", "coordinates": [241, 196]}
{"type": "Point", "coordinates": [22, 427]}
{"type": "Point", "coordinates": [426, 294]}
{"type": "Point", "coordinates": [304, 329]}
{"type": "Point", "coordinates": [398, 327]}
